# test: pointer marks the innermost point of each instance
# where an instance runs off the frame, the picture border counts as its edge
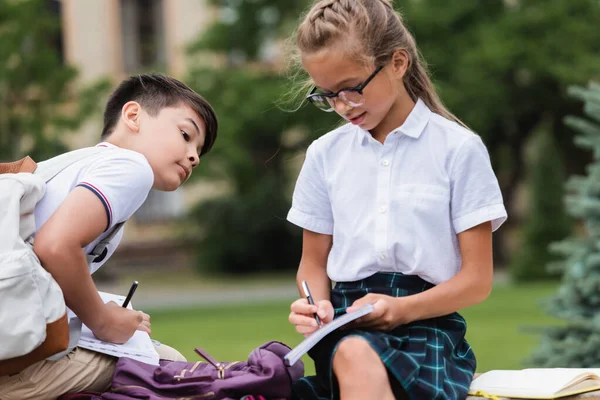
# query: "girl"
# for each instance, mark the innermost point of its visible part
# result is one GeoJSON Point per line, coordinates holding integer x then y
{"type": "Point", "coordinates": [398, 208]}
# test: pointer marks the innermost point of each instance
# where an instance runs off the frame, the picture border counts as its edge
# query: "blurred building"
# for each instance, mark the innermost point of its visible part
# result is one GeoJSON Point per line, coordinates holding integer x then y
{"type": "Point", "coordinates": [113, 39]}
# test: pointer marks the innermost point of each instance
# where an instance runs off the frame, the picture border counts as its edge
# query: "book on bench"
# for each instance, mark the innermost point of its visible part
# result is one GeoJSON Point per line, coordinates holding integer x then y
{"type": "Point", "coordinates": [536, 383]}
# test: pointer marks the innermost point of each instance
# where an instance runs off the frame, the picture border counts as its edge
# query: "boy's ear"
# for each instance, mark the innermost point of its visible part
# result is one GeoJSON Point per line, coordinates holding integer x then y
{"type": "Point", "coordinates": [130, 113]}
{"type": "Point", "coordinates": [400, 62]}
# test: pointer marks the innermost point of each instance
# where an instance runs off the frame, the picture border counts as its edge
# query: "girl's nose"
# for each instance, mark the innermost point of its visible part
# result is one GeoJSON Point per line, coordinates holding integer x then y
{"type": "Point", "coordinates": [341, 107]}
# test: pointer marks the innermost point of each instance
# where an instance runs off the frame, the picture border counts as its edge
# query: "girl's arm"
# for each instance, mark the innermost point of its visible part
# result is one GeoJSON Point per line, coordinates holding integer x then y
{"type": "Point", "coordinates": [313, 265]}
{"type": "Point", "coordinates": [313, 270]}
{"type": "Point", "coordinates": [471, 285]}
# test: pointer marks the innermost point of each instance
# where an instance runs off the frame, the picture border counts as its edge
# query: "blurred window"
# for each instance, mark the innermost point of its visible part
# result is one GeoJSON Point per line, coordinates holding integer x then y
{"type": "Point", "coordinates": [56, 40]}
{"type": "Point", "coordinates": [142, 35]}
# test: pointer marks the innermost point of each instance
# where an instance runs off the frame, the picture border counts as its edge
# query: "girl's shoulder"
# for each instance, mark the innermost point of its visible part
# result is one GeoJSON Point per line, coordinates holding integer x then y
{"type": "Point", "coordinates": [338, 136]}
{"type": "Point", "coordinates": [450, 131]}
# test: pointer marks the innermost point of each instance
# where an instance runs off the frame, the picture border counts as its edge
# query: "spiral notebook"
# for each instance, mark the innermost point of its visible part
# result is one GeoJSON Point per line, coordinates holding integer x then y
{"type": "Point", "coordinates": [308, 343]}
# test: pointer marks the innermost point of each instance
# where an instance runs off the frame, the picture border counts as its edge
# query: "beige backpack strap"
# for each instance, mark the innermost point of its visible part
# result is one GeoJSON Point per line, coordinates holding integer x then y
{"type": "Point", "coordinates": [23, 165]}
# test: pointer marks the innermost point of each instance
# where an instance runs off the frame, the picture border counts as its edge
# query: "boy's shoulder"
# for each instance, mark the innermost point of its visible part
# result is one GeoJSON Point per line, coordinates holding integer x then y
{"type": "Point", "coordinates": [111, 158]}
{"type": "Point", "coordinates": [120, 178]}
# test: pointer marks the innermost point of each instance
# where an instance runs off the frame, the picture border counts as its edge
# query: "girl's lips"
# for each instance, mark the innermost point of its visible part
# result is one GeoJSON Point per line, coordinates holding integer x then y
{"type": "Point", "coordinates": [358, 120]}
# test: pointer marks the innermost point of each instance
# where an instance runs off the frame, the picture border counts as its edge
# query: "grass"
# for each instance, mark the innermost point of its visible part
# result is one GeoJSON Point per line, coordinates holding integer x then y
{"type": "Point", "coordinates": [229, 333]}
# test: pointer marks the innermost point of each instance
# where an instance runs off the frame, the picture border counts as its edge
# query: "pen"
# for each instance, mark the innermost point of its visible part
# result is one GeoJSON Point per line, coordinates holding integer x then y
{"type": "Point", "coordinates": [310, 300]}
{"type": "Point", "coordinates": [134, 286]}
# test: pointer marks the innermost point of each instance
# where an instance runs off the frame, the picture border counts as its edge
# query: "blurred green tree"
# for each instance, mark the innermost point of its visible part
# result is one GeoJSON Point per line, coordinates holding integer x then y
{"type": "Point", "coordinates": [504, 67]}
{"type": "Point", "coordinates": [38, 101]}
{"type": "Point", "coordinates": [260, 145]}
{"type": "Point", "coordinates": [577, 301]}
{"type": "Point", "coordinates": [546, 221]}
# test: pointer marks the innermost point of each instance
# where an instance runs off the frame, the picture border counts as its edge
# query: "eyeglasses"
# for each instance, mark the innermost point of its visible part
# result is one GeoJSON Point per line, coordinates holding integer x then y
{"type": "Point", "coordinates": [352, 97]}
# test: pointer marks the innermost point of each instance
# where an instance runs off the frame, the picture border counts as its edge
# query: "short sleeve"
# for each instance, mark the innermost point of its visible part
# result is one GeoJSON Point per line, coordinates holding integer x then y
{"type": "Point", "coordinates": [121, 180]}
{"type": "Point", "coordinates": [475, 193]}
{"type": "Point", "coordinates": [311, 208]}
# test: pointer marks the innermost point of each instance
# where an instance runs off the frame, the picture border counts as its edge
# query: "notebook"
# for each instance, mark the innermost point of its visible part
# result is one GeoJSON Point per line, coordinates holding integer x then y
{"type": "Point", "coordinates": [536, 383]}
{"type": "Point", "coordinates": [139, 346]}
{"type": "Point", "coordinates": [308, 343]}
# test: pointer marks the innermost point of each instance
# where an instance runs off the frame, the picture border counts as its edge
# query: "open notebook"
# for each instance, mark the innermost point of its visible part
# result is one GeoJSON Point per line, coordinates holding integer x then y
{"type": "Point", "coordinates": [536, 383]}
{"type": "Point", "coordinates": [308, 343]}
{"type": "Point", "coordinates": [139, 346]}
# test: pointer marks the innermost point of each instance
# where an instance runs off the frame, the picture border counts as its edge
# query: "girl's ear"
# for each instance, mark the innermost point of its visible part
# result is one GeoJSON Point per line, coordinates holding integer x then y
{"type": "Point", "coordinates": [400, 63]}
{"type": "Point", "coordinates": [130, 114]}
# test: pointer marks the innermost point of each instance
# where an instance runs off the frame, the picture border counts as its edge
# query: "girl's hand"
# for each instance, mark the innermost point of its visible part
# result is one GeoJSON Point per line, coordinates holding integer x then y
{"type": "Point", "coordinates": [389, 312]}
{"type": "Point", "coordinates": [302, 315]}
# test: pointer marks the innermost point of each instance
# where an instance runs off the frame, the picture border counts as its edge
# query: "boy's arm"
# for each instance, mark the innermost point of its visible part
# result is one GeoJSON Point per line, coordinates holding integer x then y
{"type": "Point", "coordinates": [78, 221]}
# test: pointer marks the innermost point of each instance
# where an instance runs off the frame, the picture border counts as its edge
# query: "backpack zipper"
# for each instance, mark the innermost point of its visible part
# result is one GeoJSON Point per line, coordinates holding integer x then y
{"type": "Point", "coordinates": [220, 367]}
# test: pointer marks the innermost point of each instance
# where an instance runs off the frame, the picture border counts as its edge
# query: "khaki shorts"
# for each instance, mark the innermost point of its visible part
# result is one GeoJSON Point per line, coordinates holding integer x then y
{"type": "Point", "coordinates": [80, 370]}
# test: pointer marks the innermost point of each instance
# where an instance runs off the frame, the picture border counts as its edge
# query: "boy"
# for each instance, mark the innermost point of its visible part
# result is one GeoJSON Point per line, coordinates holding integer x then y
{"type": "Point", "coordinates": [155, 131]}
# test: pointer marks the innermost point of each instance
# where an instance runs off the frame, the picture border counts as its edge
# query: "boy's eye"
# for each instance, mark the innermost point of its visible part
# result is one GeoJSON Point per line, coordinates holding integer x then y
{"type": "Point", "coordinates": [186, 137]}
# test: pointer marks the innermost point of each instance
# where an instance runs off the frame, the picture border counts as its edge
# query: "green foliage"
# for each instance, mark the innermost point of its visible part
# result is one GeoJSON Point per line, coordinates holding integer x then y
{"type": "Point", "coordinates": [246, 230]}
{"type": "Point", "coordinates": [259, 148]}
{"type": "Point", "coordinates": [244, 26]}
{"type": "Point", "coordinates": [577, 300]}
{"type": "Point", "coordinates": [38, 102]}
{"type": "Point", "coordinates": [546, 221]}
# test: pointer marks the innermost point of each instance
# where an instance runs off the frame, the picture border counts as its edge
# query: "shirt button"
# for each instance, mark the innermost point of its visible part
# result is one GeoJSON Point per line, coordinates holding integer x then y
{"type": "Point", "coordinates": [385, 163]}
{"type": "Point", "coordinates": [382, 209]}
{"type": "Point", "coordinates": [382, 256]}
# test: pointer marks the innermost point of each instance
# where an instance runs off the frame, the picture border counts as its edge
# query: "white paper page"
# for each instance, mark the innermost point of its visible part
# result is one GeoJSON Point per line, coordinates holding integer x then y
{"type": "Point", "coordinates": [138, 347]}
{"type": "Point", "coordinates": [320, 333]}
{"type": "Point", "coordinates": [533, 381]}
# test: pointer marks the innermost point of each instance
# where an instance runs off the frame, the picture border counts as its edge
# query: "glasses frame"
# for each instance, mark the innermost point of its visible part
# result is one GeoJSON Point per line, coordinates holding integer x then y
{"type": "Point", "coordinates": [359, 89]}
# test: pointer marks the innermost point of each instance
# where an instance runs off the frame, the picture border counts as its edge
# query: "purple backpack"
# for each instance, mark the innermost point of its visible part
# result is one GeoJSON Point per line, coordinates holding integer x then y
{"type": "Point", "coordinates": [263, 375]}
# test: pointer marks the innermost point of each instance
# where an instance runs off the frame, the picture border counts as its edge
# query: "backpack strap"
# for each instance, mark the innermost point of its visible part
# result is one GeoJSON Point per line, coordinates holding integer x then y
{"type": "Point", "coordinates": [25, 164]}
{"type": "Point", "coordinates": [99, 251]}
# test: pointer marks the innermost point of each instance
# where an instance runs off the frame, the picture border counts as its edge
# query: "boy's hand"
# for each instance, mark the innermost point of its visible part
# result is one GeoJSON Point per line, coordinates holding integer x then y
{"type": "Point", "coordinates": [120, 324]}
{"type": "Point", "coordinates": [302, 315]}
{"type": "Point", "coordinates": [145, 324]}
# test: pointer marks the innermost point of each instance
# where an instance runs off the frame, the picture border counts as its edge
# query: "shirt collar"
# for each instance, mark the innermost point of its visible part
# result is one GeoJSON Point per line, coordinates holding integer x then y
{"type": "Point", "coordinates": [414, 124]}
{"type": "Point", "coordinates": [107, 144]}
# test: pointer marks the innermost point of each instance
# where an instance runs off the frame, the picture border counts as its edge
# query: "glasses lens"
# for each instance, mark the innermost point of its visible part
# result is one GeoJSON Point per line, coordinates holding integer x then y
{"type": "Point", "coordinates": [352, 98]}
{"type": "Point", "coordinates": [322, 102]}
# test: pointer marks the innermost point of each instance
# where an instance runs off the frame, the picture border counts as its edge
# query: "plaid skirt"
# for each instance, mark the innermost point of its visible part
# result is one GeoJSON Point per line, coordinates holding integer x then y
{"type": "Point", "coordinates": [428, 359]}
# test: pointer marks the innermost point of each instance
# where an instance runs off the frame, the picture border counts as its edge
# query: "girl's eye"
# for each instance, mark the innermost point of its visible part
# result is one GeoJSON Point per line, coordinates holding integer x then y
{"type": "Point", "coordinates": [186, 137]}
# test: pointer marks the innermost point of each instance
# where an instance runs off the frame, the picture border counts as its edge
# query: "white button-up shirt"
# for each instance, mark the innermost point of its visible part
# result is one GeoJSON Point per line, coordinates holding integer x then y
{"type": "Point", "coordinates": [397, 206]}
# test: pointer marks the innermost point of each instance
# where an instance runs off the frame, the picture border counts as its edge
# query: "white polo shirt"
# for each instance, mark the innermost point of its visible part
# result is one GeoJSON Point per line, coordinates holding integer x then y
{"type": "Point", "coordinates": [121, 179]}
{"type": "Point", "coordinates": [397, 206]}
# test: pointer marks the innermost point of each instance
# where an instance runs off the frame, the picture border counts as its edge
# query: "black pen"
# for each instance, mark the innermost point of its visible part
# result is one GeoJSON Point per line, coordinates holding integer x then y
{"type": "Point", "coordinates": [134, 286]}
{"type": "Point", "coordinates": [310, 300]}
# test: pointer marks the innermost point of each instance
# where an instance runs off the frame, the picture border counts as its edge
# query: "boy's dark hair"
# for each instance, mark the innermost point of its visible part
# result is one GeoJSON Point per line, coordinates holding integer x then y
{"type": "Point", "coordinates": [155, 92]}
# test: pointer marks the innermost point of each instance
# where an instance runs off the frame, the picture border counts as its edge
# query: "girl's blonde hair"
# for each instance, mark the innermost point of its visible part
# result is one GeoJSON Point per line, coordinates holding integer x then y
{"type": "Point", "coordinates": [380, 32]}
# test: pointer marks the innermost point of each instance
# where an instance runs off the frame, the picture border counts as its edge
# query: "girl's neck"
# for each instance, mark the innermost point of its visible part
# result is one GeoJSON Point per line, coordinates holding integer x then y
{"type": "Point", "coordinates": [394, 118]}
